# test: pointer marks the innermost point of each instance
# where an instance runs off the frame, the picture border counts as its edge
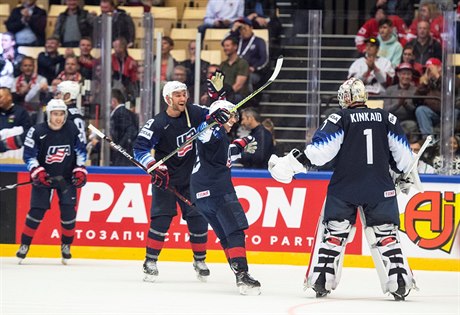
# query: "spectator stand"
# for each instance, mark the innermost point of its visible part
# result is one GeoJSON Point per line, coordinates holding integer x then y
{"type": "Point", "coordinates": [193, 17]}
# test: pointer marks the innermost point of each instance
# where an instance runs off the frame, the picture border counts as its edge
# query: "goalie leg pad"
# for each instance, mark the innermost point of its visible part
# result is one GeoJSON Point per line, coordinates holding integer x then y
{"type": "Point", "coordinates": [392, 267]}
{"type": "Point", "coordinates": [327, 258]}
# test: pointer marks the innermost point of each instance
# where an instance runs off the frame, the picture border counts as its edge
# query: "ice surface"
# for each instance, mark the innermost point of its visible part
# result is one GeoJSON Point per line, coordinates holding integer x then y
{"type": "Point", "coordinates": [85, 286]}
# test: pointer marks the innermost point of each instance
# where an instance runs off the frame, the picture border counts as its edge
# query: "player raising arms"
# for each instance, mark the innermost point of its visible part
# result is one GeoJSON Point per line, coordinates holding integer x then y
{"type": "Point", "coordinates": [53, 150]}
{"type": "Point", "coordinates": [164, 133]}
{"type": "Point", "coordinates": [364, 143]}
{"type": "Point", "coordinates": [212, 191]}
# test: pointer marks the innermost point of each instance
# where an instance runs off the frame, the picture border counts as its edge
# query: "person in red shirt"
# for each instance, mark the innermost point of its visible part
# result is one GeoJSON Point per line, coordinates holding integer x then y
{"type": "Point", "coordinates": [428, 12]}
{"type": "Point", "coordinates": [124, 69]}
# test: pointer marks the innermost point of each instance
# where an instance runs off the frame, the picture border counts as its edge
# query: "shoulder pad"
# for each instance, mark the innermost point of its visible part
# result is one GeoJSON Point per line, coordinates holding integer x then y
{"type": "Point", "coordinates": [334, 118]}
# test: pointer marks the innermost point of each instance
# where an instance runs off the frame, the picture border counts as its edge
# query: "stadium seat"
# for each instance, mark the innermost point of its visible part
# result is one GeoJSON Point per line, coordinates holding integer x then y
{"type": "Point", "coordinates": [193, 17]}
{"type": "Point", "coordinates": [179, 54]}
{"type": "Point", "coordinates": [31, 51]}
{"type": "Point", "coordinates": [53, 14]}
{"type": "Point", "coordinates": [93, 8]}
{"type": "Point", "coordinates": [165, 17]}
{"type": "Point", "coordinates": [200, 3]}
{"type": "Point", "coordinates": [4, 14]}
{"type": "Point", "coordinates": [179, 4]}
{"type": "Point", "coordinates": [374, 103]}
{"type": "Point", "coordinates": [212, 56]}
{"type": "Point", "coordinates": [182, 36]}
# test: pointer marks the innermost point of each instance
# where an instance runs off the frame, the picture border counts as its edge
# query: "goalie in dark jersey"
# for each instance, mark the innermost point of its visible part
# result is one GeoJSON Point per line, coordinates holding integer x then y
{"type": "Point", "coordinates": [164, 133]}
{"type": "Point", "coordinates": [362, 143]}
{"type": "Point", "coordinates": [55, 156]}
{"type": "Point", "coordinates": [212, 191]}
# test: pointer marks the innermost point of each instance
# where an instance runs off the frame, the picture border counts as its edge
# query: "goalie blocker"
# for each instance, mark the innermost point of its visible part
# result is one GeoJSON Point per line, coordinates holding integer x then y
{"type": "Point", "coordinates": [361, 142]}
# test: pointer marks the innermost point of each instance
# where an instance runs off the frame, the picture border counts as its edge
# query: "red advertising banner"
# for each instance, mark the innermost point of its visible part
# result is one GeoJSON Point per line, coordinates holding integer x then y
{"type": "Point", "coordinates": [113, 210]}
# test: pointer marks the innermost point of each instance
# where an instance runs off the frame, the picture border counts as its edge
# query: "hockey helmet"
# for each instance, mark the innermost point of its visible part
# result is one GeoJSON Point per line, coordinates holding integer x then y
{"type": "Point", "coordinates": [350, 92]}
{"type": "Point", "coordinates": [222, 104]}
{"type": "Point", "coordinates": [55, 104]}
{"type": "Point", "coordinates": [173, 86]}
{"type": "Point", "coordinates": [71, 87]}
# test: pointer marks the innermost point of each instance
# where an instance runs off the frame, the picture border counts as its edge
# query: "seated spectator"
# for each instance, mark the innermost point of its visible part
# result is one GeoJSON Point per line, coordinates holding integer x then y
{"type": "Point", "coordinates": [27, 22]}
{"type": "Point", "coordinates": [251, 48]}
{"type": "Point", "coordinates": [221, 14]}
{"type": "Point", "coordinates": [123, 129]}
{"type": "Point", "coordinates": [236, 71]}
{"type": "Point", "coordinates": [86, 60]}
{"type": "Point", "coordinates": [73, 24]}
{"type": "Point", "coordinates": [375, 72]}
{"type": "Point", "coordinates": [429, 13]}
{"type": "Point", "coordinates": [425, 47]}
{"type": "Point", "coordinates": [389, 48]}
{"type": "Point", "coordinates": [403, 108]}
{"type": "Point", "coordinates": [402, 8]}
{"type": "Point", "coordinates": [29, 88]}
{"type": "Point", "coordinates": [14, 124]}
{"type": "Point", "coordinates": [124, 70]}
{"type": "Point", "coordinates": [422, 166]}
{"type": "Point", "coordinates": [167, 60]}
{"type": "Point", "coordinates": [371, 28]}
{"type": "Point", "coordinates": [50, 63]}
{"type": "Point", "coordinates": [122, 23]}
{"type": "Point", "coordinates": [439, 163]}
{"type": "Point", "coordinates": [409, 57]}
{"type": "Point", "coordinates": [251, 120]}
{"type": "Point", "coordinates": [10, 60]}
{"type": "Point", "coordinates": [71, 72]}
{"type": "Point", "coordinates": [428, 110]}
{"type": "Point", "coordinates": [189, 64]}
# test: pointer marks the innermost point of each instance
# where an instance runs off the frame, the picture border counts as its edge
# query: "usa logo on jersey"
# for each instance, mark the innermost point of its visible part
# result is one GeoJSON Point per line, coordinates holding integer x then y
{"type": "Point", "coordinates": [57, 153]}
{"type": "Point", "coordinates": [181, 139]}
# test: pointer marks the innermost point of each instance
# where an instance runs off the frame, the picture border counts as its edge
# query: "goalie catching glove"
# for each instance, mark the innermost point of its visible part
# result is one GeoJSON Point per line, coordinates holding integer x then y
{"type": "Point", "coordinates": [215, 84]}
{"type": "Point", "coordinates": [284, 168]}
{"type": "Point", "coordinates": [247, 144]}
{"type": "Point", "coordinates": [160, 175]}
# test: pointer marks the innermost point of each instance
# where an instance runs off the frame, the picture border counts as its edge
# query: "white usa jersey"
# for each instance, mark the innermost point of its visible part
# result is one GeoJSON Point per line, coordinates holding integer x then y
{"type": "Point", "coordinates": [363, 143]}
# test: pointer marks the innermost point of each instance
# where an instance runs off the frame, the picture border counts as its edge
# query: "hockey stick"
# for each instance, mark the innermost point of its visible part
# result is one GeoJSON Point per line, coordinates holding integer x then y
{"type": "Point", "coordinates": [120, 149]}
{"type": "Point", "coordinates": [419, 155]}
{"type": "Point", "coordinates": [13, 186]}
{"type": "Point", "coordinates": [279, 64]}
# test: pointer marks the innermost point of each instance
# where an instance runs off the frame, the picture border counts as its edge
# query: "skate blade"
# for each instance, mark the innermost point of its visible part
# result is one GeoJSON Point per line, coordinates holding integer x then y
{"type": "Point", "coordinates": [202, 278]}
{"type": "Point", "coordinates": [245, 290]}
{"type": "Point", "coordinates": [398, 297]}
{"type": "Point", "coordinates": [65, 261]}
{"type": "Point", "coordinates": [20, 261]}
{"type": "Point", "coordinates": [150, 278]}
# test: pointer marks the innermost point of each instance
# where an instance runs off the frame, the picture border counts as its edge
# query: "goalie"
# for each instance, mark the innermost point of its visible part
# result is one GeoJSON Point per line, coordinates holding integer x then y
{"type": "Point", "coordinates": [363, 144]}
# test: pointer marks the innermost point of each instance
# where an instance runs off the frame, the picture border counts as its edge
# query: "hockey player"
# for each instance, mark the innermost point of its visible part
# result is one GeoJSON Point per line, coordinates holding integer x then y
{"type": "Point", "coordinates": [213, 193]}
{"type": "Point", "coordinates": [363, 142]}
{"type": "Point", "coordinates": [55, 156]}
{"type": "Point", "coordinates": [164, 133]}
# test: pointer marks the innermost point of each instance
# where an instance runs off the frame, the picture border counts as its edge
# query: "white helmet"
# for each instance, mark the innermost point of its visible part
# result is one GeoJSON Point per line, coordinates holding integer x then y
{"type": "Point", "coordinates": [352, 91]}
{"type": "Point", "coordinates": [172, 86]}
{"type": "Point", "coordinates": [221, 104]}
{"type": "Point", "coordinates": [71, 87]}
{"type": "Point", "coordinates": [55, 104]}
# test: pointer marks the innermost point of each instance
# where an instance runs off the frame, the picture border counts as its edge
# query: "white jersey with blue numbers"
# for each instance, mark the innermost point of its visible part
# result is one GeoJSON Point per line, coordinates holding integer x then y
{"type": "Point", "coordinates": [363, 143]}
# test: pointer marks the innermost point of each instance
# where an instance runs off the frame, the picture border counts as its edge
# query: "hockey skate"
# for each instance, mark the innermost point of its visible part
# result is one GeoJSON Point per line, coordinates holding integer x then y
{"type": "Point", "coordinates": [22, 252]}
{"type": "Point", "coordinates": [246, 284]}
{"type": "Point", "coordinates": [400, 294]}
{"type": "Point", "coordinates": [150, 270]}
{"type": "Point", "coordinates": [320, 286]}
{"type": "Point", "coordinates": [65, 252]}
{"type": "Point", "coordinates": [202, 271]}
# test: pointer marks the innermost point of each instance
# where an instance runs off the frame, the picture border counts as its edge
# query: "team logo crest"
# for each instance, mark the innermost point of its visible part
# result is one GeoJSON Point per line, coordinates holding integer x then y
{"type": "Point", "coordinates": [181, 139]}
{"type": "Point", "coordinates": [57, 153]}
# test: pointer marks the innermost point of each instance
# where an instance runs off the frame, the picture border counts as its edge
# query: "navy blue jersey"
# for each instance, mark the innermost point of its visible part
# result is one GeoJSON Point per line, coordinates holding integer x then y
{"type": "Point", "coordinates": [211, 175]}
{"type": "Point", "coordinates": [75, 115]}
{"type": "Point", "coordinates": [165, 134]}
{"type": "Point", "coordinates": [14, 118]}
{"type": "Point", "coordinates": [58, 151]}
{"type": "Point", "coordinates": [363, 143]}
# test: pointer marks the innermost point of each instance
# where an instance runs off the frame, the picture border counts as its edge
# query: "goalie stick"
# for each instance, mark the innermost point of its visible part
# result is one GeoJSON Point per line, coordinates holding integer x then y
{"type": "Point", "coordinates": [120, 149]}
{"type": "Point", "coordinates": [279, 64]}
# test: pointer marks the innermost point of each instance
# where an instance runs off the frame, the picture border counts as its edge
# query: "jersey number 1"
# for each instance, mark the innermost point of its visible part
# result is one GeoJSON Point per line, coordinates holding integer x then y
{"type": "Point", "coordinates": [369, 148]}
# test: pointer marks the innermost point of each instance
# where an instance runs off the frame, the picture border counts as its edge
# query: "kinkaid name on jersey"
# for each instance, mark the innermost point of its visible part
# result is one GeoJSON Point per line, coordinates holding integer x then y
{"type": "Point", "coordinates": [366, 116]}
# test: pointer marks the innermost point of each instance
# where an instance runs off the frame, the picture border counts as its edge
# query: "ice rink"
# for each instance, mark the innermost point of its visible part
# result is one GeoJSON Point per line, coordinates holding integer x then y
{"type": "Point", "coordinates": [45, 286]}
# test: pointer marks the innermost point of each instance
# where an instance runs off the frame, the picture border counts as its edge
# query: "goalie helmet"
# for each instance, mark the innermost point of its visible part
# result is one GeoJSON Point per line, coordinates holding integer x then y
{"type": "Point", "coordinates": [55, 104]}
{"type": "Point", "coordinates": [71, 87]}
{"type": "Point", "coordinates": [173, 86]}
{"type": "Point", "coordinates": [350, 92]}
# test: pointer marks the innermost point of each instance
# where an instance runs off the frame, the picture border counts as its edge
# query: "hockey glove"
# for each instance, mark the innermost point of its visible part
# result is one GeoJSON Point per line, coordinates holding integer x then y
{"type": "Point", "coordinates": [79, 176]}
{"type": "Point", "coordinates": [39, 177]}
{"type": "Point", "coordinates": [284, 168]}
{"type": "Point", "coordinates": [160, 176]}
{"type": "Point", "coordinates": [11, 143]}
{"type": "Point", "coordinates": [247, 144]}
{"type": "Point", "coordinates": [221, 116]}
{"type": "Point", "coordinates": [215, 85]}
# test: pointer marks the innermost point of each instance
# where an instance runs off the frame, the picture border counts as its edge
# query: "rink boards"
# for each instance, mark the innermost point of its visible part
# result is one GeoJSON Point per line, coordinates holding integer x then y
{"type": "Point", "coordinates": [113, 214]}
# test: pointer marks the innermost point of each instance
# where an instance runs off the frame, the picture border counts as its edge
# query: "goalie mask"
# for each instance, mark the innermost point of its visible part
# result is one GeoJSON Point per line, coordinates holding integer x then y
{"type": "Point", "coordinates": [350, 92]}
{"type": "Point", "coordinates": [173, 86]}
{"type": "Point", "coordinates": [55, 104]}
{"type": "Point", "coordinates": [68, 87]}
